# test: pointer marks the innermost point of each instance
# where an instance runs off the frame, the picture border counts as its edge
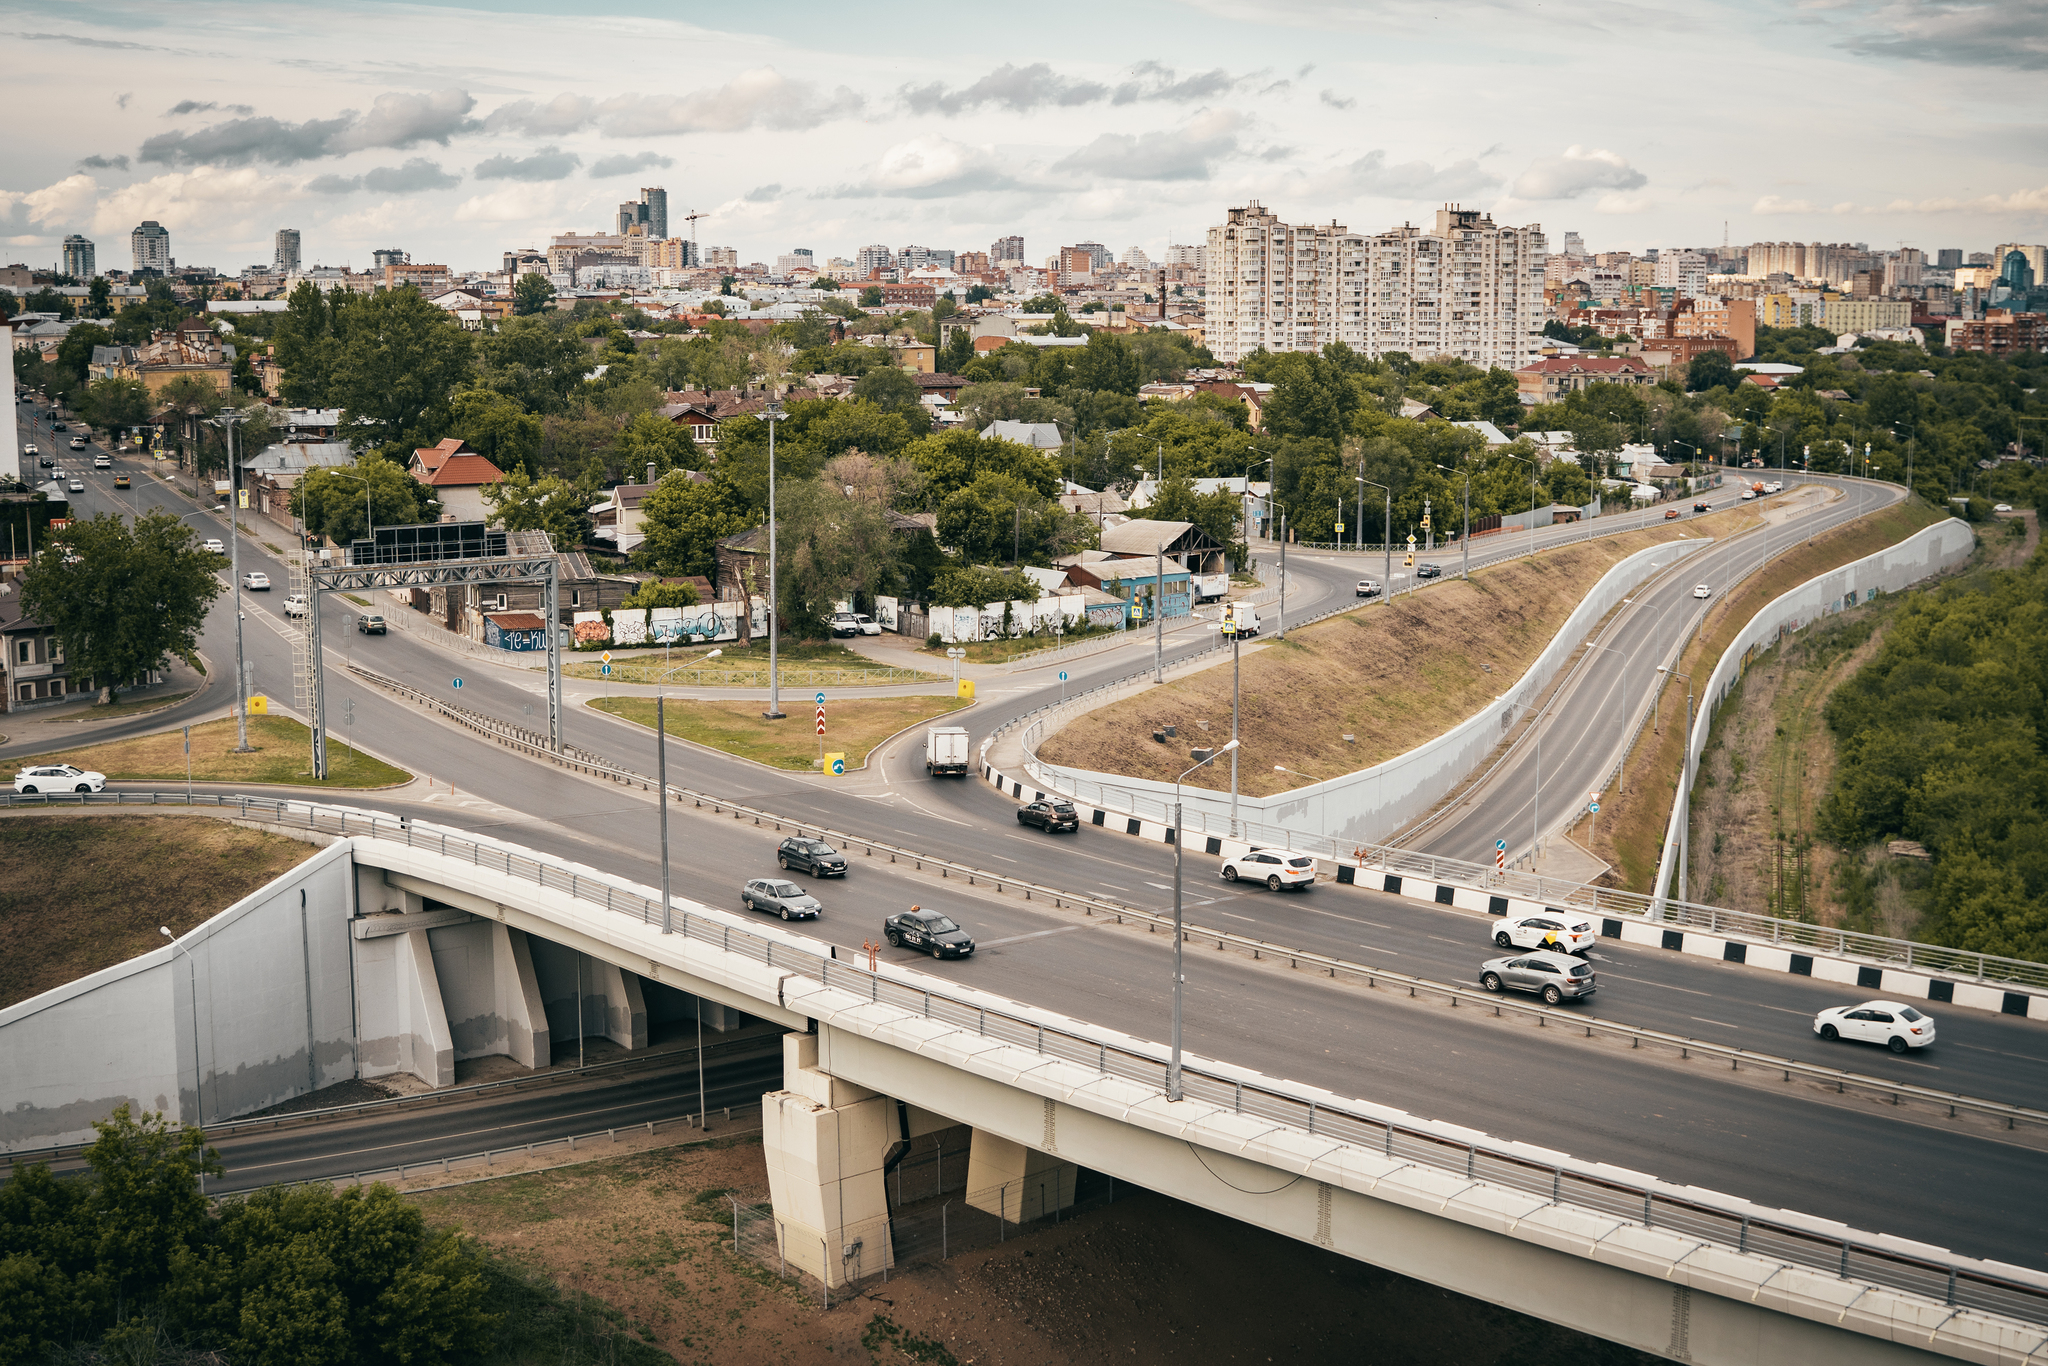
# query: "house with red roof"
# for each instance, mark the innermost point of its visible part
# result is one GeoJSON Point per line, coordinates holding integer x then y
{"type": "Point", "coordinates": [458, 477]}
{"type": "Point", "coordinates": [1550, 379]}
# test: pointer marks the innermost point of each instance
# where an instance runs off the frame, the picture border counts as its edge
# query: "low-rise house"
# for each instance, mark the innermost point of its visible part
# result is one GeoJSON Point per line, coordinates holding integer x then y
{"type": "Point", "coordinates": [458, 476]}
{"type": "Point", "coordinates": [618, 518]}
{"type": "Point", "coordinates": [272, 473]}
{"type": "Point", "coordinates": [1550, 379]}
{"type": "Point", "coordinates": [1044, 436]}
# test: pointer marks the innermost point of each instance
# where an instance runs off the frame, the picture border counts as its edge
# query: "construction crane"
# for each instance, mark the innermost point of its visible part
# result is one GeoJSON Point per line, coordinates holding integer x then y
{"type": "Point", "coordinates": [691, 218]}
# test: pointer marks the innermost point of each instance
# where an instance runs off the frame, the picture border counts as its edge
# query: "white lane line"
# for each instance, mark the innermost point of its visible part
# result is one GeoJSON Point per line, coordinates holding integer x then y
{"type": "Point", "coordinates": [1245, 918]}
{"type": "Point", "coordinates": [1441, 940]}
{"type": "Point", "coordinates": [1005, 859]}
{"type": "Point", "coordinates": [1661, 986]}
{"type": "Point", "coordinates": [1704, 1020]}
{"type": "Point", "coordinates": [937, 817]}
{"type": "Point", "coordinates": [1162, 886]}
{"type": "Point", "coordinates": [1782, 1010]}
{"type": "Point", "coordinates": [1374, 948]}
{"type": "Point", "coordinates": [1035, 934]}
{"type": "Point", "coordinates": [1975, 1048]}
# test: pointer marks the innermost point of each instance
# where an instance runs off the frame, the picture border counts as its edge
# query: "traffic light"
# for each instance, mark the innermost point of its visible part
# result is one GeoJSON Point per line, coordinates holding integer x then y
{"type": "Point", "coordinates": [1425, 521]}
{"type": "Point", "coordinates": [1410, 559]}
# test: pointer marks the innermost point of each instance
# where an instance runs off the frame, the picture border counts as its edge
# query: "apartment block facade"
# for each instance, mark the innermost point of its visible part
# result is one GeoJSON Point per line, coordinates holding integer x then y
{"type": "Point", "coordinates": [1464, 288]}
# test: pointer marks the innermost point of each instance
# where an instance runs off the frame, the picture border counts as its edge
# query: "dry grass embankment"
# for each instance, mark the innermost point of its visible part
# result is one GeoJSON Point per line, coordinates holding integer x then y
{"type": "Point", "coordinates": [1631, 832]}
{"type": "Point", "coordinates": [852, 727]}
{"type": "Point", "coordinates": [1392, 676]}
{"type": "Point", "coordinates": [282, 753]}
{"type": "Point", "coordinates": [82, 893]}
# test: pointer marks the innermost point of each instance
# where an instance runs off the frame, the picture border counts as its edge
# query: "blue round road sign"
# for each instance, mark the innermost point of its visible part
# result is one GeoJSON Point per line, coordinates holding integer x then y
{"type": "Point", "coordinates": [458, 682]}
{"type": "Point", "coordinates": [605, 669]}
{"type": "Point", "coordinates": [821, 699]}
{"type": "Point", "coordinates": [1063, 675]}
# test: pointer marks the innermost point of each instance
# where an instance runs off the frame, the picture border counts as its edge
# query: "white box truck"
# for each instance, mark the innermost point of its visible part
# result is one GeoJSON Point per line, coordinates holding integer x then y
{"type": "Point", "coordinates": [1240, 618]}
{"type": "Point", "coordinates": [945, 751]}
{"type": "Point", "coordinates": [1209, 587]}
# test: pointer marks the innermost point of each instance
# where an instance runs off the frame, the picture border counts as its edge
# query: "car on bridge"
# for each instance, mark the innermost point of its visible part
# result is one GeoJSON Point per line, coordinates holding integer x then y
{"type": "Point", "coordinates": [1702, 590]}
{"type": "Point", "coordinates": [1556, 977]}
{"type": "Point", "coordinates": [1895, 1025]}
{"type": "Point", "coordinates": [778, 897]}
{"type": "Point", "coordinates": [815, 857]}
{"type": "Point", "coordinates": [1274, 867]}
{"type": "Point", "coordinates": [58, 778]}
{"type": "Point", "coordinates": [929, 932]}
{"type": "Point", "coordinates": [1547, 932]}
{"type": "Point", "coordinates": [1050, 814]}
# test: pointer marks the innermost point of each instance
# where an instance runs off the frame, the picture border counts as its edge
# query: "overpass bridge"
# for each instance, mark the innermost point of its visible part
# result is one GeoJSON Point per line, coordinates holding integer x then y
{"type": "Point", "coordinates": [403, 947]}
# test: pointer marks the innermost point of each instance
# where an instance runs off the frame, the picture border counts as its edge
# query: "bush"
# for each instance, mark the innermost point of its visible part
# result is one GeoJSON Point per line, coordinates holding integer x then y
{"type": "Point", "coordinates": [934, 641]}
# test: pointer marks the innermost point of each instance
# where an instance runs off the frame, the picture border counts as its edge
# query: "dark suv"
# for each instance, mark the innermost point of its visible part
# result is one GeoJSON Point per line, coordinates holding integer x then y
{"type": "Point", "coordinates": [1050, 815]}
{"type": "Point", "coordinates": [1429, 571]}
{"type": "Point", "coordinates": [928, 932]}
{"type": "Point", "coordinates": [815, 857]}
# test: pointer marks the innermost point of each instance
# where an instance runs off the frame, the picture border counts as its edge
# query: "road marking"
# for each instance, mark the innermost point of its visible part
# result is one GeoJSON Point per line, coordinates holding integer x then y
{"type": "Point", "coordinates": [1662, 986]}
{"type": "Point", "coordinates": [1441, 940]}
{"type": "Point", "coordinates": [1976, 1048]}
{"type": "Point", "coordinates": [1036, 934]}
{"type": "Point", "coordinates": [1374, 948]}
{"type": "Point", "coordinates": [1162, 886]}
{"type": "Point", "coordinates": [1782, 1010]}
{"type": "Point", "coordinates": [1704, 1020]}
{"type": "Point", "coordinates": [1000, 856]}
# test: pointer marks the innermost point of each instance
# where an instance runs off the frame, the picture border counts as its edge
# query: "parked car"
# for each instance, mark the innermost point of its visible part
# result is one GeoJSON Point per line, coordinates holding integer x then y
{"type": "Point", "coordinates": [256, 581]}
{"type": "Point", "coordinates": [1429, 571]}
{"type": "Point", "coordinates": [214, 544]}
{"type": "Point", "coordinates": [815, 857]}
{"type": "Point", "coordinates": [58, 778]}
{"type": "Point", "coordinates": [1895, 1025]}
{"type": "Point", "coordinates": [1555, 977]}
{"type": "Point", "coordinates": [1368, 588]}
{"type": "Point", "coordinates": [854, 624]}
{"type": "Point", "coordinates": [777, 897]}
{"type": "Point", "coordinates": [1670, 513]}
{"type": "Point", "coordinates": [1050, 814]}
{"type": "Point", "coordinates": [1701, 590]}
{"type": "Point", "coordinates": [1275, 867]}
{"type": "Point", "coordinates": [295, 605]}
{"type": "Point", "coordinates": [1562, 933]}
{"type": "Point", "coordinates": [929, 932]}
{"type": "Point", "coordinates": [370, 624]}
{"type": "Point", "coordinates": [1702, 507]}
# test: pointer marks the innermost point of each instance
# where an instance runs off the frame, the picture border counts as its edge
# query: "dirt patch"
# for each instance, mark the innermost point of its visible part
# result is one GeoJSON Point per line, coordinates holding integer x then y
{"type": "Point", "coordinates": [1147, 1281]}
{"type": "Point", "coordinates": [1391, 677]}
{"type": "Point", "coordinates": [82, 893]}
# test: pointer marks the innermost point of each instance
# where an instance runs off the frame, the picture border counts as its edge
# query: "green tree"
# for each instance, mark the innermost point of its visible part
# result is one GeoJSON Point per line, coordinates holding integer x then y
{"type": "Point", "coordinates": [519, 502]}
{"type": "Point", "coordinates": [951, 460]}
{"type": "Point", "coordinates": [683, 520]}
{"type": "Point", "coordinates": [530, 294]}
{"type": "Point", "coordinates": [400, 359]}
{"type": "Point", "coordinates": [978, 586]}
{"type": "Point", "coordinates": [74, 353]}
{"type": "Point", "coordinates": [101, 294]}
{"type": "Point", "coordinates": [1710, 370]}
{"type": "Point", "coordinates": [308, 345]}
{"type": "Point", "coordinates": [1311, 397]}
{"type": "Point", "coordinates": [651, 439]}
{"type": "Point", "coordinates": [534, 361]}
{"type": "Point", "coordinates": [831, 547]}
{"type": "Point", "coordinates": [871, 296]}
{"type": "Point", "coordinates": [663, 593]}
{"type": "Point", "coordinates": [331, 502]}
{"type": "Point", "coordinates": [122, 599]}
{"type": "Point", "coordinates": [497, 428]}
{"type": "Point", "coordinates": [1107, 364]}
{"type": "Point", "coordinates": [1217, 513]}
{"type": "Point", "coordinates": [888, 388]}
{"type": "Point", "coordinates": [115, 403]}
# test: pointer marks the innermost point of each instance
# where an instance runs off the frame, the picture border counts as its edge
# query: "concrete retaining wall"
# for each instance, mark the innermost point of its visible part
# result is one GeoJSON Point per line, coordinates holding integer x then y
{"type": "Point", "coordinates": [1370, 806]}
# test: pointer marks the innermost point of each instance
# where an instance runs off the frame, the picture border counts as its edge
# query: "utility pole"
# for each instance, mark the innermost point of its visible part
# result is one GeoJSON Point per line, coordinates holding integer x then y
{"type": "Point", "coordinates": [229, 419]}
{"type": "Point", "coordinates": [772, 414]}
{"type": "Point", "coordinates": [1159, 615]}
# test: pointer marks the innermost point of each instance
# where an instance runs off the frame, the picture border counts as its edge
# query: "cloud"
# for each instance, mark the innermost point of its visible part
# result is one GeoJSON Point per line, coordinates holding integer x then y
{"type": "Point", "coordinates": [549, 163]}
{"type": "Point", "coordinates": [763, 99]}
{"type": "Point", "coordinates": [121, 100]}
{"type": "Point", "coordinates": [99, 163]}
{"type": "Point", "coordinates": [1575, 172]}
{"type": "Point", "coordinates": [628, 162]}
{"type": "Point", "coordinates": [1331, 98]}
{"type": "Point", "coordinates": [931, 167]}
{"type": "Point", "coordinates": [1023, 88]}
{"type": "Point", "coordinates": [66, 203]}
{"type": "Point", "coordinates": [1372, 176]}
{"type": "Point", "coordinates": [2031, 201]}
{"type": "Point", "coordinates": [1152, 81]}
{"type": "Point", "coordinates": [88, 42]}
{"type": "Point", "coordinates": [414, 176]}
{"type": "Point", "coordinates": [1187, 153]}
{"type": "Point", "coordinates": [196, 107]}
{"type": "Point", "coordinates": [2010, 33]}
{"type": "Point", "coordinates": [763, 194]}
{"type": "Point", "coordinates": [395, 122]}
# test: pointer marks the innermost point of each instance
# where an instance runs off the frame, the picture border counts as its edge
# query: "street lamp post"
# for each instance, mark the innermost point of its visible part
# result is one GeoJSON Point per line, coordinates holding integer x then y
{"type": "Point", "coordinates": [1275, 514]}
{"type": "Point", "coordinates": [773, 414]}
{"type": "Point", "coordinates": [1386, 536]}
{"type": "Point", "coordinates": [1466, 535]}
{"type": "Point", "coordinates": [1685, 790]}
{"type": "Point", "coordinates": [1532, 497]}
{"type": "Point", "coordinates": [1173, 1069]}
{"type": "Point", "coordinates": [228, 419]}
{"type": "Point", "coordinates": [192, 967]}
{"type": "Point", "coordinates": [1229, 628]}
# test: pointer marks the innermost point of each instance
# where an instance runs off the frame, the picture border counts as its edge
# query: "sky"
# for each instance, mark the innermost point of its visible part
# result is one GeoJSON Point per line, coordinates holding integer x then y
{"type": "Point", "coordinates": [457, 133]}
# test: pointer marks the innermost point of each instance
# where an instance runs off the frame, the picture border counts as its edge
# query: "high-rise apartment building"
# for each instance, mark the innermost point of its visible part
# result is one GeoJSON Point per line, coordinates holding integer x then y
{"type": "Point", "coordinates": [383, 257]}
{"type": "Point", "coordinates": [1573, 245]}
{"type": "Point", "coordinates": [724, 258]}
{"type": "Point", "coordinates": [913, 258]}
{"type": "Point", "coordinates": [1683, 271]}
{"type": "Point", "coordinates": [971, 263]}
{"type": "Point", "coordinates": [1073, 266]}
{"type": "Point", "coordinates": [799, 258]}
{"type": "Point", "coordinates": [1007, 249]}
{"type": "Point", "coordinates": [655, 199]}
{"type": "Point", "coordinates": [286, 254]}
{"type": "Point", "coordinates": [79, 258]}
{"type": "Point", "coordinates": [1136, 259]}
{"type": "Point", "coordinates": [1463, 288]}
{"type": "Point", "coordinates": [940, 256]}
{"type": "Point", "coordinates": [2037, 257]}
{"type": "Point", "coordinates": [150, 243]}
{"type": "Point", "coordinates": [870, 259]}
{"type": "Point", "coordinates": [1187, 254]}
{"type": "Point", "coordinates": [1100, 258]}
{"type": "Point", "coordinates": [1950, 258]}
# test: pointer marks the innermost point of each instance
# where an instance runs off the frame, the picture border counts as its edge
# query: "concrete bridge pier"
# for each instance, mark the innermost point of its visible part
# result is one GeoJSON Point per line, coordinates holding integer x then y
{"type": "Point", "coordinates": [827, 1142]}
{"type": "Point", "coordinates": [1016, 1183]}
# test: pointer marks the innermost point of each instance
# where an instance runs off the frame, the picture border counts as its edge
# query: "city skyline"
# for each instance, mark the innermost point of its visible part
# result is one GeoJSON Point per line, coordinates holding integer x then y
{"type": "Point", "coordinates": [1133, 137]}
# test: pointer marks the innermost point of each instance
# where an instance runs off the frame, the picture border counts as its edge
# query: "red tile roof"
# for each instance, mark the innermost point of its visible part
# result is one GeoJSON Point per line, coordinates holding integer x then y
{"type": "Point", "coordinates": [1565, 365]}
{"type": "Point", "coordinates": [462, 471]}
{"type": "Point", "coordinates": [516, 621]}
{"type": "Point", "coordinates": [430, 458]}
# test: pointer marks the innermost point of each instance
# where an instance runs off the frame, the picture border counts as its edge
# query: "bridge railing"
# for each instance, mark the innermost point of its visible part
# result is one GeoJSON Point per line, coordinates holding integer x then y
{"type": "Point", "coordinates": [1961, 1283]}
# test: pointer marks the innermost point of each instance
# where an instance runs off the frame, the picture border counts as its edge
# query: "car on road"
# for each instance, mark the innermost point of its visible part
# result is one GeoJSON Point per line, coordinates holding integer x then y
{"type": "Point", "coordinates": [30, 448]}
{"type": "Point", "coordinates": [777, 897]}
{"type": "Point", "coordinates": [77, 443]}
{"type": "Point", "coordinates": [295, 605]}
{"type": "Point", "coordinates": [1670, 513]}
{"type": "Point", "coordinates": [1429, 571]}
{"type": "Point", "coordinates": [76, 486]}
{"type": "Point", "coordinates": [1895, 1025]}
{"type": "Point", "coordinates": [370, 624]}
{"type": "Point", "coordinates": [1702, 590]}
{"type": "Point", "coordinates": [256, 581]}
{"type": "Point", "coordinates": [928, 932]}
{"type": "Point", "coordinates": [58, 778]}
{"type": "Point", "coordinates": [854, 624]}
{"type": "Point", "coordinates": [1702, 507]}
{"type": "Point", "coordinates": [1275, 867]}
{"type": "Point", "coordinates": [1748, 495]}
{"type": "Point", "coordinates": [121, 481]}
{"type": "Point", "coordinates": [57, 426]}
{"type": "Point", "coordinates": [215, 545]}
{"type": "Point", "coordinates": [1563, 933]}
{"type": "Point", "coordinates": [815, 857]}
{"type": "Point", "coordinates": [1556, 977]}
{"type": "Point", "coordinates": [1368, 588]}
{"type": "Point", "coordinates": [2002, 507]}
{"type": "Point", "coordinates": [1050, 814]}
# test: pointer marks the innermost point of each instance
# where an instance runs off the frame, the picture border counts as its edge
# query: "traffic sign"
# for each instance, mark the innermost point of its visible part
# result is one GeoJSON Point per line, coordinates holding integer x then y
{"type": "Point", "coordinates": [1593, 809]}
{"type": "Point", "coordinates": [604, 669]}
{"type": "Point", "coordinates": [821, 725]}
{"type": "Point", "coordinates": [1500, 856]}
{"type": "Point", "coordinates": [1063, 675]}
{"type": "Point", "coordinates": [606, 656]}
{"type": "Point", "coordinates": [821, 699]}
{"type": "Point", "coordinates": [458, 682]}
{"type": "Point", "coordinates": [1340, 528]}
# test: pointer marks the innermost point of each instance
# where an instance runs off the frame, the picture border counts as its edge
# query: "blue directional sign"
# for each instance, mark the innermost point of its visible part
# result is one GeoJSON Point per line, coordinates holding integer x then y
{"type": "Point", "coordinates": [1063, 675]}
{"type": "Point", "coordinates": [1593, 808]}
{"type": "Point", "coordinates": [458, 682]}
{"type": "Point", "coordinates": [821, 699]}
{"type": "Point", "coordinates": [839, 766]}
{"type": "Point", "coordinates": [604, 669]}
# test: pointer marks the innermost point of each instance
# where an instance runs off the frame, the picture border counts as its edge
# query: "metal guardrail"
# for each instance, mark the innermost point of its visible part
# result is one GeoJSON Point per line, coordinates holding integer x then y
{"type": "Point", "coordinates": [1962, 1283]}
{"type": "Point", "coordinates": [446, 1166]}
{"type": "Point", "coordinates": [630, 671]}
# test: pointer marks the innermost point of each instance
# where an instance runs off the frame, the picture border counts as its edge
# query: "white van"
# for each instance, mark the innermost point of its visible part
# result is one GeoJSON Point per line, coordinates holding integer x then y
{"type": "Point", "coordinates": [1240, 619]}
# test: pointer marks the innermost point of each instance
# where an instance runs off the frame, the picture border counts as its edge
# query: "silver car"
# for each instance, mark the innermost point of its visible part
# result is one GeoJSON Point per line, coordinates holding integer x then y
{"type": "Point", "coordinates": [1553, 976]}
{"type": "Point", "coordinates": [776, 896]}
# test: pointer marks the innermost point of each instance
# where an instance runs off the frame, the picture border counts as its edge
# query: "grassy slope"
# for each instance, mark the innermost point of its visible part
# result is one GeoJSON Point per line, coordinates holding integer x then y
{"type": "Point", "coordinates": [82, 893]}
{"type": "Point", "coordinates": [282, 755]}
{"type": "Point", "coordinates": [853, 727]}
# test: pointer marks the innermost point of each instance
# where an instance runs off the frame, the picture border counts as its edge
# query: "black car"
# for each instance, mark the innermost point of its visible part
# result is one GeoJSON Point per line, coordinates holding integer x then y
{"type": "Point", "coordinates": [815, 857]}
{"type": "Point", "coordinates": [1702, 507]}
{"type": "Point", "coordinates": [49, 462]}
{"type": "Point", "coordinates": [1429, 571]}
{"type": "Point", "coordinates": [1050, 814]}
{"type": "Point", "coordinates": [777, 897]}
{"type": "Point", "coordinates": [58, 427]}
{"type": "Point", "coordinates": [929, 932]}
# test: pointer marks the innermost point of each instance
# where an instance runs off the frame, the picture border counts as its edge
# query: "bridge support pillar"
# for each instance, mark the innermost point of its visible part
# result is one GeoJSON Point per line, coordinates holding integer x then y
{"type": "Point", "coordinates": [826, 1141]}
{"type": "Point", "coordinates": [1016, 1183]}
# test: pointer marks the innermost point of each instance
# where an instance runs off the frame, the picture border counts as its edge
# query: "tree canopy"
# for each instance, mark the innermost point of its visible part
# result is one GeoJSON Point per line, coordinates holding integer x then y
{"type": "Point", "coordinates": [122, 599]}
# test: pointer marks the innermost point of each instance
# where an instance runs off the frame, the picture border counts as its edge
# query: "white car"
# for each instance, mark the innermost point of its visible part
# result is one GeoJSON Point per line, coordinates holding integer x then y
{"type": "Point", "coordinates": [1275, 867]}
{"type": "Point", "coordinates": [295, 605]}
{"type": "Point", "coordinates": [214, 544]}
{"type": "Point", "coordinates": [2002, 507]}
{"type": "Point", "coordinates": [76, 486]}
{"type": "Point", "coordinates": [1702, 590]}
{"type": "Point", "coordinates": [1567, 933]}
{"type": "Point", "coordinates": [1895, 1025]}
{"type": "Point", "coordinates": [58, 778]}
{"type": "Point", "coordinates": [256, 581]}
{"type": "Point", "coordinates": [1748, 495]}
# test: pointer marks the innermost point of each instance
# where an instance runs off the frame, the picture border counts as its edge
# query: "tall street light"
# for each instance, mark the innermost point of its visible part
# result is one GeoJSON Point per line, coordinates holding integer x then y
{"type": "Point", "coordinates": [1229, 628]}
{"type": "Point", "coordinates": [1179, 978]}
{"type": "Point", "coordinates": [1532, 496]}
{"type": "Point", "coordinates": [1275, 515]}
{"type": "Point", "coordinates": [1386, 536]}
{"type": "Point", "coordinates": [192, 967]}
{"type": "Point", "coordinates": [1466, 536]}
{"type": "Point", "coordinates": [773, 414]}
{"type": "Point", "coordinates": [1684, 826]}
{"type": "Point", "coordinates": [228, 419]}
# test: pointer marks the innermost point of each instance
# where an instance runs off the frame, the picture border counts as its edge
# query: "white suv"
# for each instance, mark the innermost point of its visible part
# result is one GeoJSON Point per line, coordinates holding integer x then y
{"type": "Point", "coordinates": [1275, 867]}
{"type": "Point", "coordinates": [1546, 931]}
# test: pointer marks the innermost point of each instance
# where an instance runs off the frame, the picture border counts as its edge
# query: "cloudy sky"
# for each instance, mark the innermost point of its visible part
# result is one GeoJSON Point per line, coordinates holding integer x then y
{"type": "Point", "coordinates": [457, 132]}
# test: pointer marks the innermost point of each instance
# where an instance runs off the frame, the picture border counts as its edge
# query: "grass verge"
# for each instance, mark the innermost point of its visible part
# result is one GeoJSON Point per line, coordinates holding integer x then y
{"type": "Point", "coordinates": [852, 727]}
{"type": "Point", "coordinates": [79, 893]}
{"type": "Point", "coordinates": [99, 712]}
{"type": "Point", "coordinates": [282, 754]}
{"type": "Point", "coordinates": [1007, 651]}
{"type": "Point", "coordinates": [802, 665]}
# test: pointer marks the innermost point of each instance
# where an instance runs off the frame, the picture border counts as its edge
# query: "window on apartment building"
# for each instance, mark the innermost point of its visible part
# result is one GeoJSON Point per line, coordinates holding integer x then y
{"type": "Point", "coordinates": [28, 652]}
{"type": "Point", "coordinates": [56, 651]}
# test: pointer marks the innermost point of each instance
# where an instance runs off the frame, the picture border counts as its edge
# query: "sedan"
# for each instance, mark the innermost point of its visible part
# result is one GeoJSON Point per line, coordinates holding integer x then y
{"type": "Point", "coordinates": [1051, 815]}
{"type": "Point", "coordinates": [1547, 932]}
{"type": "Point", "coordinates": [1553, 976]}
{"type": "Point", "coordinates": [28, 448]}
{"type": "Point", "coordinates": [1274, 867]}
{"type": "Point", "coordinates": [929, 932]}
{"type": "Point", "coordinates": [256, 581]}
{"type": "Point", "coordinates": [57, 426]}
{"type": "Point", "coordinates": [76, 486]}
{"type": "Point", "coordinates": [1702, 590]}
{"type": "Point", "coordinates": [1429, 571]}
{"type": "Point", "coordinates": [1896, 1026]}
{"type": "Point", "coordinates": [1670, 513]}
{"type": "Point", "coordinates": [1702, 507]}
{"type": "Point", "coordinates": [815, 857]}
{"type": "Point", "coordinates": [58, 778]}
{"type": "Point", "coordinates": [786, 899]}
{"type": "Point", "coordinates": [215, 545]}
{"type": "Point", "coordinates": [1368, 588]}
{"type": "Point", "coordinates": [2002, 507]}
